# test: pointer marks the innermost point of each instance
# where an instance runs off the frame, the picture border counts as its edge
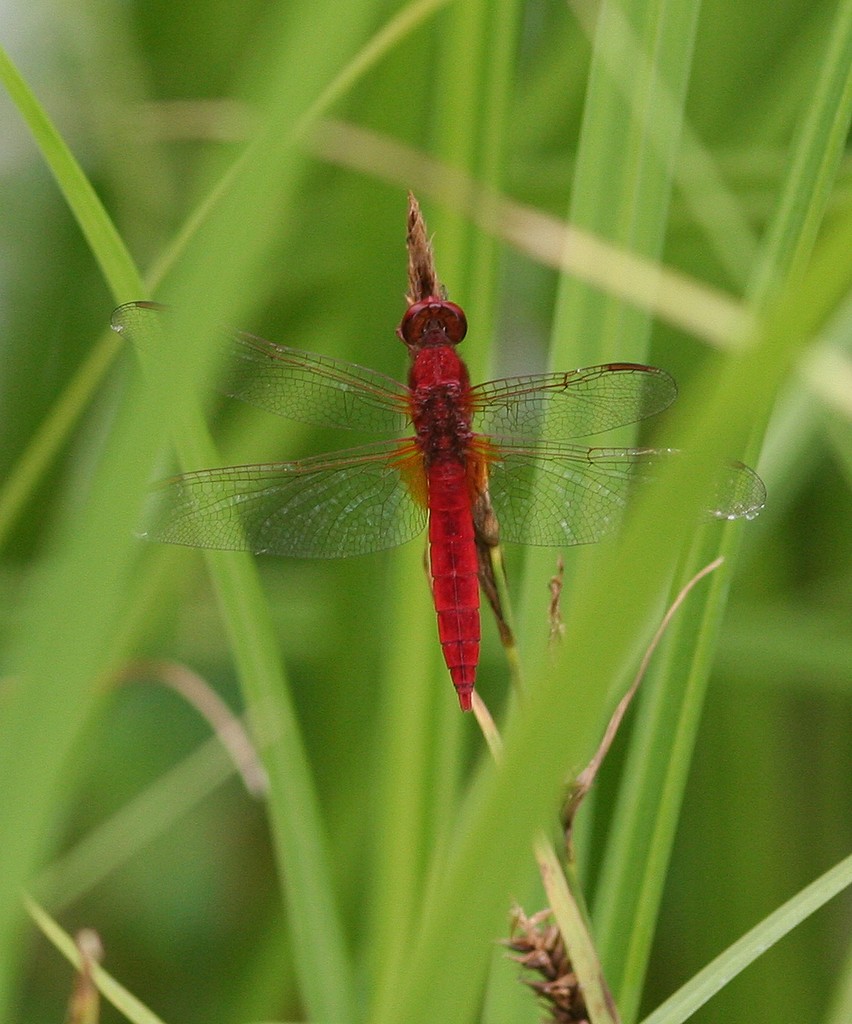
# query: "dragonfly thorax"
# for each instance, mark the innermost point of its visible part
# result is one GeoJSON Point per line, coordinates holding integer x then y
{"type": "Point", "coordinates": [440, 403]}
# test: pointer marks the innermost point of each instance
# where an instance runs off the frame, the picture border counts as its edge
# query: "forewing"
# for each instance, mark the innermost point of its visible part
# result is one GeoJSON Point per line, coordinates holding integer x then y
{"type": "Point", "coordinates": [298, 385]}
{"type": "Point", "coordinates": [314, 388]}
{"type": "Point", "coordinates": [581, 403]}
{"type": "Point", "coordinates": [352, 503]}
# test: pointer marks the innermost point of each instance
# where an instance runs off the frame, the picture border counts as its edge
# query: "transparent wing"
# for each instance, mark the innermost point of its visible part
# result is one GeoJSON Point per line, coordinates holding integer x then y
{"type": "Point", "coordinates": [297, 385]}
{"type": "Point", "coordinates": [575, 498]}
{"type": "Point", "coordinates": [559, 495]}
{"type": "Point", "coordinates": [739, 493]}
{"type": "Point", "coordinates": [580, 403]}
{"type": "Point", "coordinates": [351, 503]}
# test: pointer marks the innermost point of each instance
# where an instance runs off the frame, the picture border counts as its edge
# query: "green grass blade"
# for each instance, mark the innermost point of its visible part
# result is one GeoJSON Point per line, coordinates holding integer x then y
{"type": "Point", "coordinates": [107, 247]}
{"type": "Point", "coordinates": [59, 654]}
{"type": "Point", "coordinates": [632, 124]}
{"type": "Point", "coordinates": [406, 735]}
{"type": "Point", "coordinates": [753, 944]}
{"type": "Point", "coordinates": [320, 951]}
{"type": "Point", "coordinates": [53, 431]}
{"type": "Point", "coordinates": [575, 932]}
{"type": "Point", "coordinates": [645, 820]}
{"type": "Point", "coordinates": [620, 882]}
{"type": "Point", "coordinates": [621, 190]}
{"type": "Point", "coordinates": [107, 848]}
{"type": "Point", "coordinates": [118, 270]}
{"type": "Point", "coordinates": [124, 1001]}
{"type": "Point", "coordinates": [813, 168]}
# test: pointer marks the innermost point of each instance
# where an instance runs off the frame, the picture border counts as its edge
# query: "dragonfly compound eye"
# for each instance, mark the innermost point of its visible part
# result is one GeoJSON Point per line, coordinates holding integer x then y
{"type": "Point", "coordinates": [421, 319]}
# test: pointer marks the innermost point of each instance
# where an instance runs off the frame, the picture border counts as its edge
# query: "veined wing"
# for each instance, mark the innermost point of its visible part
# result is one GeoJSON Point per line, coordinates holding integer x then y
{"type": "Point", "coordinates": [298, 385]}
{"type": "Point", "coordinates": [739, 493]}
{"type": "Point", "coordinates": [348, 503]}
{"type": "Point", "coordinates": [558, 495]}
{"type": "Point", "coordinates": [314, 388]}
{"type": "Point", "coordinates": [580, 403]}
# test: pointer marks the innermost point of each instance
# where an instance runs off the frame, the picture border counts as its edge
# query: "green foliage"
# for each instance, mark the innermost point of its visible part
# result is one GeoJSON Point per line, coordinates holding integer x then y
{"type": "Point", "coordinates": [249, 163]}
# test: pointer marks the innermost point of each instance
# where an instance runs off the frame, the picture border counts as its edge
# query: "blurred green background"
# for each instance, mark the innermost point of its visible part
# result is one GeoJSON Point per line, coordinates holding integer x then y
{"type": "Point", "coordinates": [157, 101]}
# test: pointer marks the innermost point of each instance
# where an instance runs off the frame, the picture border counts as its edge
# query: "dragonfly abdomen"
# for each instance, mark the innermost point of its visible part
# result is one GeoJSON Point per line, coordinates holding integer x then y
{"type": "Point", "coordinates": [455, 583]}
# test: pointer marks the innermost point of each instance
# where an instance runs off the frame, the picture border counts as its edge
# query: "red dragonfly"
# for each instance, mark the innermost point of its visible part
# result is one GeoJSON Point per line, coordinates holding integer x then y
{"type": "Point", "coordinates": [376, 496]}
{"type": "Point", "coordinates": [437, 469]}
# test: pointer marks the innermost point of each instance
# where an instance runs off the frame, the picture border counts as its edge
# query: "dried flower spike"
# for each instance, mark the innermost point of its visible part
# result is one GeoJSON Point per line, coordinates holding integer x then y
{"type": "Point", "coordinates": [538, 947]}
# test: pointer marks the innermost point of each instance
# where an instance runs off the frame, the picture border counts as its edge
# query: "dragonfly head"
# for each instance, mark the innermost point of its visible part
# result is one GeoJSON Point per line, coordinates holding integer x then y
{"type": "Point", "coordinates": [432, 321]}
